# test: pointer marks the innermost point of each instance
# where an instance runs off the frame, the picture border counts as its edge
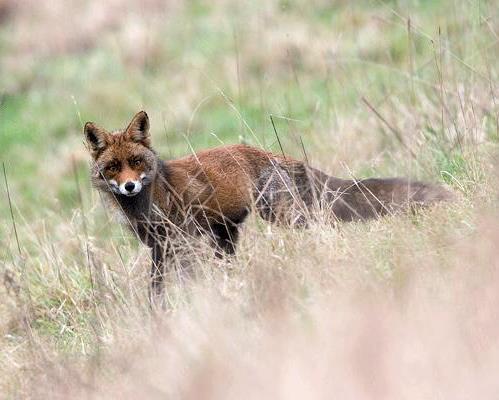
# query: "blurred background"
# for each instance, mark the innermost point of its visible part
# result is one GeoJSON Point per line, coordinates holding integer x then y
{"type": "Point", "coordinates": [360, 88]}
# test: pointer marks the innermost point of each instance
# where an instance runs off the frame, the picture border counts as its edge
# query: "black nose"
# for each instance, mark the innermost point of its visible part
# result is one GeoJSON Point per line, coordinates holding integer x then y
{"type": "Point", "coordinates": [129, 186]}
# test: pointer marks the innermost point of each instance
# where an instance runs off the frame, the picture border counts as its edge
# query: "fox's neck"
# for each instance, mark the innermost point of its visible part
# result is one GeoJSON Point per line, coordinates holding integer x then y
{"type": "Point", "coordinates": [137, 207]}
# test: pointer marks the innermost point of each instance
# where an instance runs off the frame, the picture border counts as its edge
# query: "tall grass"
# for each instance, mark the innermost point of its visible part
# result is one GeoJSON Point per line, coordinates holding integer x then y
{"type": "Point", "coordinates": [401, 307]}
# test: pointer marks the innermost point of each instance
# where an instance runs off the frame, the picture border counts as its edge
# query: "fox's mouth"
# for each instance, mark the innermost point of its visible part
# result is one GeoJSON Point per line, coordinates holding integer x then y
{"type": "Point", "coordinates": [130, 194]}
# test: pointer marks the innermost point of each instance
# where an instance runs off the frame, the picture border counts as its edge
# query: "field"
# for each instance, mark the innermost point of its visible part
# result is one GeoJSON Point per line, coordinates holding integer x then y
{"type": "Point", "coordinates": [404, 307]}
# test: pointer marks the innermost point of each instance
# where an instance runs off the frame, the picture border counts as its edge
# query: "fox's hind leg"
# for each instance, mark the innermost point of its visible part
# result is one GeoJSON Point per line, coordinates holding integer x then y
{"type": "Point", "coordinates": [225, 234]}
{"type": "Point", "coordinates": [225, 239]}
{"type": "Point", "coordinates": [278, 200]}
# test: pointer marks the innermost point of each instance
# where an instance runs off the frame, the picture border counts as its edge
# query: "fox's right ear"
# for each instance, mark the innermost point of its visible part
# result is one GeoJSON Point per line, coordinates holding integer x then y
{"type": "Point", "coordinates": [95, 137]}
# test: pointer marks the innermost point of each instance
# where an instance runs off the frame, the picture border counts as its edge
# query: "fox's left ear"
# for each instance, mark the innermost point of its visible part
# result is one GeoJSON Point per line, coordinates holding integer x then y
{"type": "Point", "coordinates": [96, 138]}
{"type": "Point", "coordinates": [138, 129]}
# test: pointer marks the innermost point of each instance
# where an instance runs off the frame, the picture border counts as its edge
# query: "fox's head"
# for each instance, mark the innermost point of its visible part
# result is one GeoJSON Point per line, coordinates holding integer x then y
{"type": "Point", "coordinates": [124, 162]}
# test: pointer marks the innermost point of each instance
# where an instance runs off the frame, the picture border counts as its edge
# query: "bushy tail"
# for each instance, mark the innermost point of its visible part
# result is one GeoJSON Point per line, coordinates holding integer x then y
{"type": "Point", "coordinates": [289, 190]}
{"type": "Point", "coordinates": [371, 198]}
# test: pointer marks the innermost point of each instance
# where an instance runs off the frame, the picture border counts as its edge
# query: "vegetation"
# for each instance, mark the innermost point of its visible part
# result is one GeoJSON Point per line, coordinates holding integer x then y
{"type": "Point", "coordinates": [402, 307]}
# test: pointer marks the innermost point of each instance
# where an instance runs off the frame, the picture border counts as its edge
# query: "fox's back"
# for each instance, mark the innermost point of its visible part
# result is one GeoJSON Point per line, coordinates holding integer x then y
{"type": "Point", "coordinates": [221, 179]}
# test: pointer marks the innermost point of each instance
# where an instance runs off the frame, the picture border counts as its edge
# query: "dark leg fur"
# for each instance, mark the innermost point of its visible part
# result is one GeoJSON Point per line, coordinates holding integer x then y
{"type": "Point", "coordinates": [226, 233]}
{"type": "Point", "coordinates": [159, 256]}
{"type": "Point", "coordinates": [159, 241]}
{"type": "Point", "coordinates": [225, 236]}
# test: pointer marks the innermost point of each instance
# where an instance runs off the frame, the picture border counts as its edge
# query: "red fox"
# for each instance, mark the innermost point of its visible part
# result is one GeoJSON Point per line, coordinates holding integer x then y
{"type": "Point", "coordinates": [213, 191]}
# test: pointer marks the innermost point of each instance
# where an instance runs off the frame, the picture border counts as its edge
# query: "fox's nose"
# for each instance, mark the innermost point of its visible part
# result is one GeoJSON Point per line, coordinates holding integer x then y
{"type": "Point", "coordinates": [129, 186]}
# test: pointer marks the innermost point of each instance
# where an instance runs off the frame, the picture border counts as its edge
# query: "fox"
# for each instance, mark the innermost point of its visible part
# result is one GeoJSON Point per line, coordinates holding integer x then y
{"type": "Point", "coordinates": [212, 192]}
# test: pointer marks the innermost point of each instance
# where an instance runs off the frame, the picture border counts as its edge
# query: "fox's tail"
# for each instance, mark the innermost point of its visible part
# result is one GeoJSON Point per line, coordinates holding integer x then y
{"type": "Point", "coordinates": [289, 190]}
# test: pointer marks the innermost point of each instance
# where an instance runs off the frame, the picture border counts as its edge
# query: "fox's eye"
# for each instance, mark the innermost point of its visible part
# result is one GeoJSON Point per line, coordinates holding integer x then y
{"type": "Point", "coordinates": [136, 162]}
{"type": "Point", "coordinates": [112, 168]}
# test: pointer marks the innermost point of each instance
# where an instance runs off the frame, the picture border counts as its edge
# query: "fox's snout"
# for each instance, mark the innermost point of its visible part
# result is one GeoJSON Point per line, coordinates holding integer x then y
{"type": "Point", "coordinates": [127, 187]}
{"type": "Point", "coordinates": [130, 186]}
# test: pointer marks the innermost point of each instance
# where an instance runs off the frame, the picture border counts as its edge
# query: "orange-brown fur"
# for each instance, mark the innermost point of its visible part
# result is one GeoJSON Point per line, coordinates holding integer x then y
{"type": "Point", "coordinates": [221, 179]}
{"type": "Point", "coordinates": [211, 192]}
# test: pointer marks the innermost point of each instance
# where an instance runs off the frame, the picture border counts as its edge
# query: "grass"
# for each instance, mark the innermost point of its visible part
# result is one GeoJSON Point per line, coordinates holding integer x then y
{"type": "Point", "coordinates": [402, 307]}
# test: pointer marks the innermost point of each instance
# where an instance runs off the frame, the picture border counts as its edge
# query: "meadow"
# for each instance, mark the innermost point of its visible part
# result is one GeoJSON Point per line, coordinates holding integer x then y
{"type": "Point", "coordinates": [402, 307]}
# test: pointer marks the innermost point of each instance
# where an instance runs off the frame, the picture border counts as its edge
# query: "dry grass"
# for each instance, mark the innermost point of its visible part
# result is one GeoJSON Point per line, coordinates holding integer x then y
{"type": "Point", "coordinates": [402, 307]}
{"type": "Point", "coordinates": [392, 310]}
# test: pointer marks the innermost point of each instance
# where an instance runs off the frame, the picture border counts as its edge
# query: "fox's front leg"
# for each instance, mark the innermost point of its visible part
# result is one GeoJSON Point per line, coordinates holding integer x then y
{"type": "Point", "coordinates": [160, 258]}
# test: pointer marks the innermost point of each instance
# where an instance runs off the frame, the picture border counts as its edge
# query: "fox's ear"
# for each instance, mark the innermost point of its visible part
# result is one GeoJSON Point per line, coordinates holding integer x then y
{"type": "Point", "coordinates": [95, 137]}
{"type": "Point", "coordinates": [138, 129]}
